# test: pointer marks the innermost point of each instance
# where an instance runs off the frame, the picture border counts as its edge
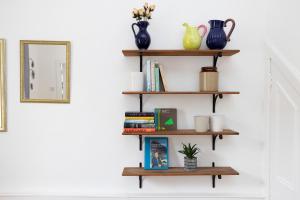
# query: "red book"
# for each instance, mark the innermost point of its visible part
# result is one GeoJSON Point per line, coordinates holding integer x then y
{"type": "Point", "coordinates": [134, 130]}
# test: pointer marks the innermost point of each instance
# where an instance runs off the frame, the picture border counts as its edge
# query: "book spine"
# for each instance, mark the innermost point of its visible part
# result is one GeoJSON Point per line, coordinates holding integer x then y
{"type": "Point", "coordinates": [134, 125]}
{"type": "Point", "coordinates": [139, 121]}
{"type": "Point", "coordinates": [148, 75]}
{"type": "Point", "coordinates": [158, 119]}
{"type": "Point", "coordinates": [137, 114]}
{"type": "Point", "coordinates": [156, 70]}
{"type": "Point", "coordinates": [134, 130]}
{"type": "Point", "coordinates": [152, 77]}
{"type": "Point", "coordinates": [139, 118]}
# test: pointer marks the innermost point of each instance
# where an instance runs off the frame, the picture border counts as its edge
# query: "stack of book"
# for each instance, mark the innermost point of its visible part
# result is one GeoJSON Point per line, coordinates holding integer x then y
{"type": "Point", "coordinates": [155, 79]}
{"type": "Point", "coordinates": [139, 122]}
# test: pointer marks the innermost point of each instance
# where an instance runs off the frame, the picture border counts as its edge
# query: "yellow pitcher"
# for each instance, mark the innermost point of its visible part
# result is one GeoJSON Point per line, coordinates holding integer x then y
{"type": "Point", "coordinates": [192, 38]}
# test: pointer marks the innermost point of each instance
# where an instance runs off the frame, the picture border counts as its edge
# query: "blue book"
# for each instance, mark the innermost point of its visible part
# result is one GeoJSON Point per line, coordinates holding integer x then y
{"type": "Point", "coordinates": [156, 153]}
{"type": "Point", "coordinates": [148, 75]}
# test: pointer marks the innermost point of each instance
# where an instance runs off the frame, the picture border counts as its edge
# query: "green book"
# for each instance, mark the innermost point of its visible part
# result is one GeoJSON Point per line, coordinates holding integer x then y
{"type": "Point", "coordinates": [166, 119]}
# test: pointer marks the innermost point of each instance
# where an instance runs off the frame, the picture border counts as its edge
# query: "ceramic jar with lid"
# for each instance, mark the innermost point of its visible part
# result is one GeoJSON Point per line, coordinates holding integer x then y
{"type": "Point", "coordinates": [209, 79]}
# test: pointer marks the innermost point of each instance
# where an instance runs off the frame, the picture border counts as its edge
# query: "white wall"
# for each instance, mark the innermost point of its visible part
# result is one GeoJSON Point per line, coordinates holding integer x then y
{"type": "Point", "coordinates": [78, 149]}
{"type": "Point", "coordinates": [283, 29]}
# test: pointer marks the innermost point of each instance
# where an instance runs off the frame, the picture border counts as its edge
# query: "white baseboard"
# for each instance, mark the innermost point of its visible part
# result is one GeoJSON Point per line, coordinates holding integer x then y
{"type": "Point", "coordinates": [133, 197]}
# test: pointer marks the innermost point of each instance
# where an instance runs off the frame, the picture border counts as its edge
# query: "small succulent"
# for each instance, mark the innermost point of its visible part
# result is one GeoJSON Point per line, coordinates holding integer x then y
{"type": "Point", "coordinates": [143, 13]}
{"type": "Point", "coordinates": [189, 151]}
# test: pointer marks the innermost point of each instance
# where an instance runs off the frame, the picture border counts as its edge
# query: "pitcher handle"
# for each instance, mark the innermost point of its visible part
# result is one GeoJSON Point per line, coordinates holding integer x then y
{"type": "Point", "coordinates": [204, 29]}
{"type": "Point", "coordinates": [132, 26]}
{"type": "Point", "coordinates": [231, 29]}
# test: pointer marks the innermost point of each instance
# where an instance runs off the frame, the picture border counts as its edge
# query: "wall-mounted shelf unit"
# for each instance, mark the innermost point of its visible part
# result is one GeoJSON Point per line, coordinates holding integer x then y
{"type": "Point", "coordinates": [215, 95]}
{"type": "Point", "coordinates": [180, 92]}
{"type": "Point", "coordinates": [179, 171]}
{"type": "Point", "coordinates": [184, 132]}
{"type": "Point", "coordinates": [180, 52]}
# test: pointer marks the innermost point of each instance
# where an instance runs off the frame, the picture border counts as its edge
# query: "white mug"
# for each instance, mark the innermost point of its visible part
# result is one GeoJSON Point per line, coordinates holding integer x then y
{"type": "Point", "coordinates": [217, 123]}
{"type": "Point", "coordinates": [201, 123]}
{"type": "Point", "coordinates": [136, 81]}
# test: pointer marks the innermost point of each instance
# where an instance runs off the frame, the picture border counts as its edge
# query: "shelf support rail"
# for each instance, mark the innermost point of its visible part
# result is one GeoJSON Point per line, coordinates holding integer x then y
{"type": "Point", "coordinates": [214, 177]}
{"type": "Point", "coordinates": [140, 178]}
{"type": "Point", "coordinates": [141, 142]}
{"type": "Point", "coordinates": [214, 138]}
{"type": "Point", "coordinates": [141, 95]}
{"type": "Point", "coordinates": [215, 97]}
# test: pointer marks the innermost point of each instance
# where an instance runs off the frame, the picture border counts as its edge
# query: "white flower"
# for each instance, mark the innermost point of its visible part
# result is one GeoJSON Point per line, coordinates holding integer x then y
{"type": "Point", "coordinates": [135, 11]}
{"type": "Point", "coordinates": [152, 7]}
{"type": "Point", "coordinates": [146, 5]}
{"type": "Point", "coordinates": [141, 11]}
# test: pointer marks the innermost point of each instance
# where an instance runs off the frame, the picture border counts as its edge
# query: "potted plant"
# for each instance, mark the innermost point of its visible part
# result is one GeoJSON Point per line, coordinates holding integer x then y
{"type": "Point", "coordinates": [190, 159]}
{"type": "Point", "coordinates": [142, 15]}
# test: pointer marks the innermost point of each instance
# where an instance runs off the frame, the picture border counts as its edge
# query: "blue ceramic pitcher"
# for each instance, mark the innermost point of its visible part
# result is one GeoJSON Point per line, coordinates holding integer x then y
{"type": "Point", "coordinates": [217, 38]}
{"type": "Point", "coordinates": [142, 38]}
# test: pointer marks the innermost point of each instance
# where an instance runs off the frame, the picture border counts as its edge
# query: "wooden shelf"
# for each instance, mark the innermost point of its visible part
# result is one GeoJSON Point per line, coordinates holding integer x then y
{"type": "Point", "coordinates": [180, 92]}
{"type": "Point", "coordinates": [185, 132]}
{"type": "Point", "coordinates": [180, 52]}
{"type": "Point", "coordinates": [179, 171]}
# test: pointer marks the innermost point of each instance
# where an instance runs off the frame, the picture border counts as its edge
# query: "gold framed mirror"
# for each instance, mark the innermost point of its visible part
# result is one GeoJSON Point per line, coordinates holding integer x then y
{"type": "Point", "coordinates": [45, 71]}
{"type": "Point", "coordinates": [2, 87]}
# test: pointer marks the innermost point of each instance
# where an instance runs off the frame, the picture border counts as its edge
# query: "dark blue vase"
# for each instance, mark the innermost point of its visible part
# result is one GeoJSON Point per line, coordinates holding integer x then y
{"type": "Point", "coordinates": [142, 38]}
{"type": "Point", "coordinates": [216, 38]}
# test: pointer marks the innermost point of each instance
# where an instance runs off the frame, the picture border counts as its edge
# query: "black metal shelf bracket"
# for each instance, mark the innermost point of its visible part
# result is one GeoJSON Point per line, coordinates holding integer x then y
{"type": "Point", "coordinates": [214, 177]}
{"type": "Point", "coordinates": [215, 97]}
{"type": "Point", "coordinates": [140, 178]}
{"type": "Point", "coordinates": [141, 142]}
{"type": "Point", "coordinates": [141, 102]}
{"type": "Point", "coordinates": [216, 59]}
{"type": "Point", "coordinates": [214, 138]}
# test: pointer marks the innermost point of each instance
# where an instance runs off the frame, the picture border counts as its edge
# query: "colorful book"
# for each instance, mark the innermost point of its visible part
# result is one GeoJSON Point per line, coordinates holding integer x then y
{"type": "Point", "coordinates": [166, 119]}
{"type": "Point", "coordinates": [139, 118]}
{"type": "Point", "coordinates": [156, 153]}
{"type": "Point", "coordinates": [139, 121]}
{"type": "Point", "coordinates": [157, 119]}
{"type": "Point", "coordinates": [137, 114]}
{"type": "Point", "coordinates": [134, 130]}
{"type": "Point", "coordinates": [136, 125]}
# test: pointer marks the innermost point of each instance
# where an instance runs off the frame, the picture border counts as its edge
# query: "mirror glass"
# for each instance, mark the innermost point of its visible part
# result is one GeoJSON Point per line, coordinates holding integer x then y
{"type": "Point", "coordinates": [45, 71]}
{"type": "Point", "coordinates": [2, 87]}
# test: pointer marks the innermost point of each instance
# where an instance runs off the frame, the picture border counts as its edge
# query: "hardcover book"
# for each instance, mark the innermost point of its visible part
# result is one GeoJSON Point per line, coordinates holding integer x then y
{"type": "Point", "coordinates": [141, 130]}
{"type": "Point", "coordinates": [157, 77]}
{"type": "Point", "coordinates": [137, 125]}
{"type": "Point", "coordinates": [139, 114]}
{"type": "Point", "coordinates": [166, 119]}
{"type": "Point", "coordinates": [148, 76]}
{"type": "Point", "coordinates": [156, 153]}
{"type": "Point", "coordinates": [163, 83]}
{"type": "Point", "coordinates": [139, 121]}
{"type": "Point", "coordinates": [139, 118]}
